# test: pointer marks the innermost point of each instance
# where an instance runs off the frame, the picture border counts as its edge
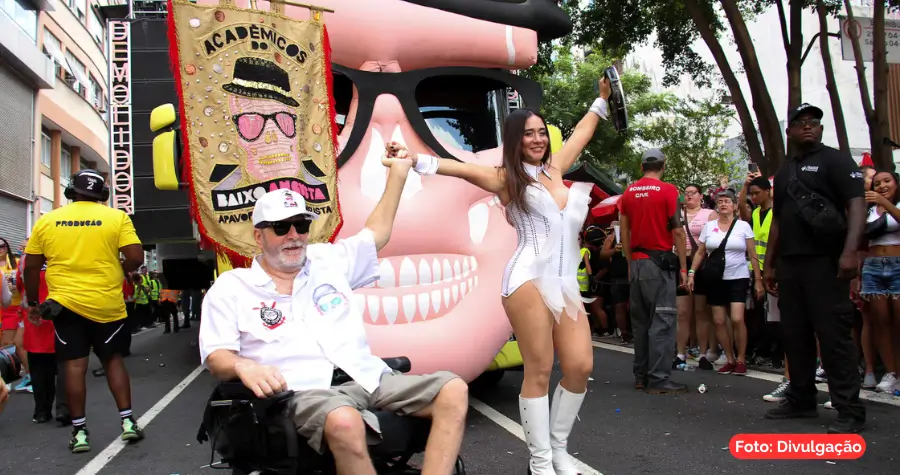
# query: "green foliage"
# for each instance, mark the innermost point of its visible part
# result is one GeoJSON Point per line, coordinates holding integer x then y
{"type": "Point", "coordinates": [693, 139]}
{"type": "Point", "coordinates": [690, 132]}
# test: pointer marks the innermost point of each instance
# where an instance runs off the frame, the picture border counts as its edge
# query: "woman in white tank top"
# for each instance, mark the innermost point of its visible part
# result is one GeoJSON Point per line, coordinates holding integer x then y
{"type": "Point", "coordinates": [694, 306]}
{"type": "Point", "coordinates": [540, 289]}
{"type": "Point", "coordinates": [881, 278]}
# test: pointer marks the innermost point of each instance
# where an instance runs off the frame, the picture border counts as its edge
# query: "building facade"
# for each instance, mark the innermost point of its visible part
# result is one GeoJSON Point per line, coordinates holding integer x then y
{"type": "Point", "coordinates": [53, 77]}
{"type": "Point", "coordinates": [24, 72]}
{"type": "Point", "coordinates": [73, 132]}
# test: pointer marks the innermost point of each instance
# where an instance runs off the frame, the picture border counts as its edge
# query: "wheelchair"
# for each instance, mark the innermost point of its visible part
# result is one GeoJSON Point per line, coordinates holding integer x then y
{"type": "Point", "coordinates": [255, 436]}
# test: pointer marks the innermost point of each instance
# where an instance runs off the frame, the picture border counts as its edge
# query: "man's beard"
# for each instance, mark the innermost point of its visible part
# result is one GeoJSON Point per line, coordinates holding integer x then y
{"type": "Point", "coordinates": [278, 259]}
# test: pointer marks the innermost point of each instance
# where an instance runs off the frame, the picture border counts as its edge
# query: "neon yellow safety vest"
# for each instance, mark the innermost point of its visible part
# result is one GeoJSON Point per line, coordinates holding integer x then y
{"type": "Point", "coordinates": [761, 235]}
{"type": "Point", "coordinates": [583, 281]}
{"type": "Point", "coordinates": [154, 289]}
{"type": "Point", "coordinates": [140, 297]}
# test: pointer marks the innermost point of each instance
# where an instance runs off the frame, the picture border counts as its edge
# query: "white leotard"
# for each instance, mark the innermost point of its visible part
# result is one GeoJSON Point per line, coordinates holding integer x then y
{"type": "Point", "coordinates": [548, 253]}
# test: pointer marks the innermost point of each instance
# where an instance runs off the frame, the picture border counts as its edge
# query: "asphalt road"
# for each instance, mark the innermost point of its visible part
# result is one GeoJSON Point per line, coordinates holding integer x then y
{"type": "Point", "coordinates": [620, 431]}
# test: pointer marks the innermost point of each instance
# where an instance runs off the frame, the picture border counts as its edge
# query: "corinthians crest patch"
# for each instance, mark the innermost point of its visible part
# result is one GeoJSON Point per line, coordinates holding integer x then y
{"type": "Point", "coordinates": [271, 317]}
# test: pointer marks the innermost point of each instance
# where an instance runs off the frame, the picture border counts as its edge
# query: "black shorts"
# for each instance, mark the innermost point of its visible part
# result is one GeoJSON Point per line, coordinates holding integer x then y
{"type": "Point", "coordinates": [724, 292]}
{"type": "Point", "coordinates": [76, 335]}
{"type": "Point", "coordinates": [619, 290]}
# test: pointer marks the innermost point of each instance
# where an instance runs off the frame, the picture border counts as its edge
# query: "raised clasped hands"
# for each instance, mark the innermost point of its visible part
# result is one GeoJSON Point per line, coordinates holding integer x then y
{"type": "Point", "coordinates": [396, 154]}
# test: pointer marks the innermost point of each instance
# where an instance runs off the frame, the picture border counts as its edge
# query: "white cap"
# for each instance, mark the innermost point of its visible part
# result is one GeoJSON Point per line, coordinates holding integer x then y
{"type": "Point", "coordinates": [279, 205]}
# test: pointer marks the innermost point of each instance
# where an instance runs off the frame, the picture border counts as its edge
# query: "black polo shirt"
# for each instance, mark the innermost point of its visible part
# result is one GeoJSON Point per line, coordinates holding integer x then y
{"type": "Point", "coordinates": [828, 172]}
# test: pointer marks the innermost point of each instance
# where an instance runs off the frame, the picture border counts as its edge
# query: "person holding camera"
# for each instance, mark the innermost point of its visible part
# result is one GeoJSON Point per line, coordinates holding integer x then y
{"type": "Point", "coordinates": [80, 245]}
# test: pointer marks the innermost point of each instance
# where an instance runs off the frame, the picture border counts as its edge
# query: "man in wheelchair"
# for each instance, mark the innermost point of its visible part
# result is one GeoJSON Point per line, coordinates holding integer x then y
{"type": "Point", "coordinates": [288, 323]}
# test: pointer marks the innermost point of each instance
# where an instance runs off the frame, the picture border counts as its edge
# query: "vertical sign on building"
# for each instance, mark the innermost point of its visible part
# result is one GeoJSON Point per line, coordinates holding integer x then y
{"type": "Point", "coordinates": [120, 137]}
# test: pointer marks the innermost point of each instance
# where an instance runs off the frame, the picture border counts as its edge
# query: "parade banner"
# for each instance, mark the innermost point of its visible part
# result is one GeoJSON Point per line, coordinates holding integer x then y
{"type": "Point", "coordinates": [256, 114]}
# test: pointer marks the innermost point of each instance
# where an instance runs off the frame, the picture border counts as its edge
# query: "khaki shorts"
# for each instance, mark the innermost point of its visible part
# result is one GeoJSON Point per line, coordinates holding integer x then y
{"type": "Point", "coordinates": [398, 392]}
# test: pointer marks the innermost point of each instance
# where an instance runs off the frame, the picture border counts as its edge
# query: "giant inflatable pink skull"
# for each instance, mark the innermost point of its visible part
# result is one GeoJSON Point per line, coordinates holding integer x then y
{"type": "Point", "coordinates": [438, 300]}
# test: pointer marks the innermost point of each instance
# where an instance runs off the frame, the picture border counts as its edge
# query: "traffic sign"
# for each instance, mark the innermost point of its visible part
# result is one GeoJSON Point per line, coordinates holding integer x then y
{"type": "Point", "coordinates": [864, 29]}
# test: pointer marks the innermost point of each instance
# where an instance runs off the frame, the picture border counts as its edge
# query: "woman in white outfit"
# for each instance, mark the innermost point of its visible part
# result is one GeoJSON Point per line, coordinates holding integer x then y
{"type": "Point", "coordinates": [540, 289]}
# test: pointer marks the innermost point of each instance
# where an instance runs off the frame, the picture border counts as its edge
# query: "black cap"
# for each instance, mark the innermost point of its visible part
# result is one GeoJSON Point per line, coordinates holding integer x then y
{"type": "Point", "coordinates": [89, 183]}
{"type": "Point", "coordinates": [654, 155]}
{"type": "Point", "coordinates": [805, 108]}
{"type": "Point", "coordinates": [261, 79]}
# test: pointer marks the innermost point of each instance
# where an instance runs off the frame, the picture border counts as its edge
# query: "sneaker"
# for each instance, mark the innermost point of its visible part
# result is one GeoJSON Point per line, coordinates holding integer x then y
{"type": "Point", "coordinates": [81, 441]}
{"type": "Point", "coordinates": [24, 385]}
{"type": "Point", "coordinates": [846, 425]}
{"type": "Point", "coordinates": [694, 352]}
{"type": "Point", "coordinates": [678, 362]}
{"type": "Point", "coordinates": [887, 383]}
{"type": "Point", "coordinates": [828, 405]}
{"type": "Point", "coordinates": [41, 418]}
{"type": "Point", "coordinates": [727, 369]}
{"type": "Point", "coordinates": [705, 364]}
{"type": "Point", "coordinates": [786, 410]}
{"type": "Point", "coordinates": [722, 360]}
{"type": "Point", "coordinates": [130, 430]}
{"type": "Point", "coordinates": [740, 369]}
{"type": "Point", "coordinates": [778, 394]}
{"type": "Point", "coordinates": [820, 375]}
{"type": "Point", "coordinates": [869, 382]}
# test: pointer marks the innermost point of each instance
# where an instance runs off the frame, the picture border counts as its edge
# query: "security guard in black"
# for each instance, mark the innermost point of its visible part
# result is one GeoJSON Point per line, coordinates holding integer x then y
{"type": "Point", "coordinates": [811, 275]}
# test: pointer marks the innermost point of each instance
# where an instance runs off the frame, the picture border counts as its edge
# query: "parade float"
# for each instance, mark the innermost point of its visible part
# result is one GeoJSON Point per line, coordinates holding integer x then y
{"type": "Point", "coordinates": [270, 95]}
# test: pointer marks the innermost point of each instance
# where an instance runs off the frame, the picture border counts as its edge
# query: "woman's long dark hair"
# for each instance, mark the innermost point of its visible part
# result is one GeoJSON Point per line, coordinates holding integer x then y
{"type": "Point", "coordinates": [13, 262]}
{"type": "Point", "coordinates": [517, 180]}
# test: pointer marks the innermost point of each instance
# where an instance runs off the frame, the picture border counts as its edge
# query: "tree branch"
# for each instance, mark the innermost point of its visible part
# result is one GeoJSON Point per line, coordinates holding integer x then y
{"type": "Point", "coordinates": [840, 126]}
{"type": "Point", "coordinates": [702, 22]}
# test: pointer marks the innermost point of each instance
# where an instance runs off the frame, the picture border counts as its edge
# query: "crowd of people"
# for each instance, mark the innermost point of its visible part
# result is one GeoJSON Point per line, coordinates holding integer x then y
{"type": "Point", "coordinates": [826, 281]}
{"type": "Point", "coordinates": [682, 281]}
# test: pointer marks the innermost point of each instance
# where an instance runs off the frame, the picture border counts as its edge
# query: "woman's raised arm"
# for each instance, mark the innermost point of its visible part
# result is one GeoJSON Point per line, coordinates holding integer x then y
{"type": "Point", "coordinates": [584, 131]}
{"type": "Point", "coordinates": [487, 178]}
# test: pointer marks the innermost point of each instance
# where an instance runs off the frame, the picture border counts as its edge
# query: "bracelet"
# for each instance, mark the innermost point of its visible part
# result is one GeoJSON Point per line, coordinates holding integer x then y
{"type": "Point", "coordinates": [427, 165]}
{"type": "Point", "coordinates": [691, 272]}
{"type": "Point", "coordinates": [600, 107]}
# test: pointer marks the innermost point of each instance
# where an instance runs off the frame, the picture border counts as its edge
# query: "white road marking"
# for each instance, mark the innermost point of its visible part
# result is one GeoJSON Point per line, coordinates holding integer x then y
{"type": "Point", "coordinates": [866, 395]}
{"type": "Point", "coordinates": [97, 463]}
{"type": "Point", "coordinates": [515, 429]}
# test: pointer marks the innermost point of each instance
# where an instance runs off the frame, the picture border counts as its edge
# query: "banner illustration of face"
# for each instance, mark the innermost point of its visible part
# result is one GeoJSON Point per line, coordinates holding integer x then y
{"type": "Point", "coordinates": [257, 113]}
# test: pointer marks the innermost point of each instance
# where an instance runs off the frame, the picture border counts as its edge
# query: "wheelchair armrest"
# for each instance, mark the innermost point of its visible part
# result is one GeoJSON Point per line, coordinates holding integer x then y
{"type": "Point", "coordinates": [398, 363]}
{"type": "Point", "coordinates": [235, 393]}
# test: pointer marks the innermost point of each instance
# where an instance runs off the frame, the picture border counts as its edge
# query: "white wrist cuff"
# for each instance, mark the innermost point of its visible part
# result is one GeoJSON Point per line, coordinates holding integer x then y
{"type": "Point", "coordinates": [427, 165]}
{"type": "Point", "coordinates": [600, 107]}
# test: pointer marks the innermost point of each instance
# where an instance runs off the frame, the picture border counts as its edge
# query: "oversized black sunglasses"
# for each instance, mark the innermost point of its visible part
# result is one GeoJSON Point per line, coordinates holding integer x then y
{"type": "Point", "coordinates": [280, 228]}
{"type": "Point", "coordinates": [456, 92]}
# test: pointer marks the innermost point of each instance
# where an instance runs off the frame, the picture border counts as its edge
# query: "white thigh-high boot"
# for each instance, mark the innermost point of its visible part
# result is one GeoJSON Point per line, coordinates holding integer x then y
{"type": "Point", "coordinates": [562, 417]}
{"type": "Point", "coordinates": [535, 415]}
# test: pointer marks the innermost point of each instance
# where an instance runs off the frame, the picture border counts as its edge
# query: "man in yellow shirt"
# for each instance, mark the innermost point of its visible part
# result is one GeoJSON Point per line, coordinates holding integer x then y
{"type": "Point", "coordinates": [80, 244]}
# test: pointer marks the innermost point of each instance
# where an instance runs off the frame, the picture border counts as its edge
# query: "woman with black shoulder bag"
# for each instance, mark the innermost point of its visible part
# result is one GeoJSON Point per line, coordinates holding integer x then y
{"type": "Point", "coordinates": [722, 264]}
